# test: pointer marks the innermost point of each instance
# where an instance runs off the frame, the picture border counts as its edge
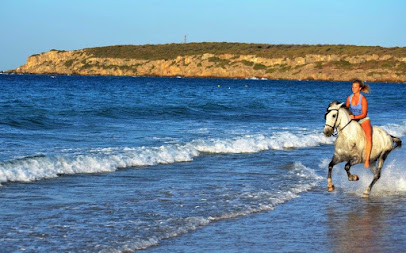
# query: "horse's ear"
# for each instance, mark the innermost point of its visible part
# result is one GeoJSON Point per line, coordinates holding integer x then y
{"type": "Point", "coordinates": [340, 105]}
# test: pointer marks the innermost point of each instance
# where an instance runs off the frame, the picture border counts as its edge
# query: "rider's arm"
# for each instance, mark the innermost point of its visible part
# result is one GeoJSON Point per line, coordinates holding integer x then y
{"type": "Point", "coordinates": [347, 104]}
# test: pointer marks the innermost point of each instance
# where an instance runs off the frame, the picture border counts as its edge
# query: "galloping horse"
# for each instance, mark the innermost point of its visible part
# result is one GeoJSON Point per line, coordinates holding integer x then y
{"type": "Point", "coordinates": [350, 144]}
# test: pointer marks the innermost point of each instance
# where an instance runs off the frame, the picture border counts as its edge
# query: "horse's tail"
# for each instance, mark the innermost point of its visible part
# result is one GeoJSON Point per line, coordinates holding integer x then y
{"type": "Point", "coordinates": [397, 141]}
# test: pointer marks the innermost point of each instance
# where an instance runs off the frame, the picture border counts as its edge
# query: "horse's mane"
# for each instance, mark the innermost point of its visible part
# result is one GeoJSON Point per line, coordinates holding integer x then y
{"type": "Point", "coordinates": [347, 109]}
{"type": "Point", "coordinates": [333, 103]}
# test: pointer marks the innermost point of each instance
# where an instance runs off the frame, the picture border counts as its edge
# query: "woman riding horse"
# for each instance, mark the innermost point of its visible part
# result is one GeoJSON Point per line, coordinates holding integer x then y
{"type": "Point", "coordinates": [358, 105]}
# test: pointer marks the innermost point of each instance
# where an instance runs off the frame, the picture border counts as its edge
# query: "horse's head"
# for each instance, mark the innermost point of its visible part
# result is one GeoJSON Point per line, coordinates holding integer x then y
{"type": "Point", "coordinates": [331, 117]}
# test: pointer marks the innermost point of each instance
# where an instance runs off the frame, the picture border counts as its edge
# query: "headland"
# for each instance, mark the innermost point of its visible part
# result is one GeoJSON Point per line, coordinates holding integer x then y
{"type": "Point", "coordinates": [227, 60]}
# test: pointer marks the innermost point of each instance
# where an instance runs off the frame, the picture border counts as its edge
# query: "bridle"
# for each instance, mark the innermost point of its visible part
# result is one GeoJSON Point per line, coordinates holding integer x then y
{"type": "Point", "coordinates": [334, 127]}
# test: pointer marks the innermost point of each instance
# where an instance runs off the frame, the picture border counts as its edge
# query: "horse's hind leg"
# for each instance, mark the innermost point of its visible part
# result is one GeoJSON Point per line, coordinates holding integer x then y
{"type": "Point", "coordinates": [377, 173]}
{"type": "Point", "coordinates": [350, 176]}
{"type": "Point", "coordinates": [334, 161]}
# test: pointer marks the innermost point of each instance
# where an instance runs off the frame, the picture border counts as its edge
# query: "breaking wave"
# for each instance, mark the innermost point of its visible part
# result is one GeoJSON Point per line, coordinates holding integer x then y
{"type": "Point", "coordinates": [110, 159]}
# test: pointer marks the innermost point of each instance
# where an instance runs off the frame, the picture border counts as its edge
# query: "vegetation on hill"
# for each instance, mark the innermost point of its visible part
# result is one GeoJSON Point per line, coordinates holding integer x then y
{"type": "Point", "coordinates": [171, 51]}
{"type": "Point", "coordinates": [228, 60]}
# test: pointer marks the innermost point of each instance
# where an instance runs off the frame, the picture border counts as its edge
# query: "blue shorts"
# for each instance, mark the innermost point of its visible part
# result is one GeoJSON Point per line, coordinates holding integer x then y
{"type": "Point", "coordinates": [362, 120]}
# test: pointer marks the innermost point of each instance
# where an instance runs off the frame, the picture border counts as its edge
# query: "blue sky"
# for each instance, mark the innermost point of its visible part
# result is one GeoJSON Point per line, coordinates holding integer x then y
{"type": "Point", "coordinates": [34, 26]}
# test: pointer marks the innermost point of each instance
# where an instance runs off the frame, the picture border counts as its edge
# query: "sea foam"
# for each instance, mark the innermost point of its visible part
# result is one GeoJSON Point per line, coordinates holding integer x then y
{"type": "Point", "coordinates": [397, 130]}
{"type": "Point", "coordinates": [110, 159]}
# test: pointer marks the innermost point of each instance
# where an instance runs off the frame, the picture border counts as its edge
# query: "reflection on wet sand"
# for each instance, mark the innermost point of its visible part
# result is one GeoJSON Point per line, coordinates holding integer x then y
{"type": "Point", "coordinates": [363, 229]}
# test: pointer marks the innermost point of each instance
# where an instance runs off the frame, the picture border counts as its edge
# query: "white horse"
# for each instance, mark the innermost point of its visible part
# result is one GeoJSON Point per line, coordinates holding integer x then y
{"type": "Point", "coordinates": [350, 144]}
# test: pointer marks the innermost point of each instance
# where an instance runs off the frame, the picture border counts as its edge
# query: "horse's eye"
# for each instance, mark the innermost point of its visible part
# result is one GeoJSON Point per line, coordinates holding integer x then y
{"type": "Point", "coordinates": [334, 116]}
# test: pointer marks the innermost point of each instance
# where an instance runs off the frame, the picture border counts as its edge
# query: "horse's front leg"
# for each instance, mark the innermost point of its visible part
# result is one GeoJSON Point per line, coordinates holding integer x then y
{"type": "Point", "coordinates": [334, 161]}
{"type": "Point", "coordinates": [347, 168]}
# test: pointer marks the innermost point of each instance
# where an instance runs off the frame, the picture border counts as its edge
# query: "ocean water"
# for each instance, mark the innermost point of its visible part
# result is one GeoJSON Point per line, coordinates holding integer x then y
{"type": "Point", "coordinates": [120, 164]}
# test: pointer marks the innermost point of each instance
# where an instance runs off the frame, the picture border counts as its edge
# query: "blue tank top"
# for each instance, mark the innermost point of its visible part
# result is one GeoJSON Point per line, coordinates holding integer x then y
{"type": "Point", "coordinates": [356, 109]}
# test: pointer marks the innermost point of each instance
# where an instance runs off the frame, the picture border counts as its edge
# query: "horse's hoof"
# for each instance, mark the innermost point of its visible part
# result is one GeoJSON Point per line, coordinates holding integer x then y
{"type": "Point", "coordinates": [353, 178]}
{"type": "Point", "coordinates": [365, 195]}
{"type": "Point", "coordinates": [330, 188]}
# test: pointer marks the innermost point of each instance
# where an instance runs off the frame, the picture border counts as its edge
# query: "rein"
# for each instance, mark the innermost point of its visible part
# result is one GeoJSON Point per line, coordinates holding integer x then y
{"type": "Point", "coordinates": [334, 127]}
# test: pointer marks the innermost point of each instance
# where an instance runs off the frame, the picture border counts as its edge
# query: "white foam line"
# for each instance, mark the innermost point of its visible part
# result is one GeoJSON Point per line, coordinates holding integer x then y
{"type": "Point", "coordinates": [36, 168]}
{"type": "Point", "coordinates": [110, 159]}
{"type": "Point", "coordinates": [256, 143]}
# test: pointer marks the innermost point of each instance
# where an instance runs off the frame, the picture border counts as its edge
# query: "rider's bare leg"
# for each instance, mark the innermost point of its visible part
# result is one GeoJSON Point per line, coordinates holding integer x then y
{"type": "Point", "coordinates": [366, 125]}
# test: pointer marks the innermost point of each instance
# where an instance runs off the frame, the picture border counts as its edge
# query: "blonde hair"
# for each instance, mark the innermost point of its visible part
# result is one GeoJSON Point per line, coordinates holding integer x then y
{"type": "Point", "coordinates": [364, 87]}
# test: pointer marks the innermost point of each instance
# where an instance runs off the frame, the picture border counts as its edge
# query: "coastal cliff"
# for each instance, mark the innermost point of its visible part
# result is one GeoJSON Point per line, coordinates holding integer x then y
{"type": "Point", "coordinates": [324, 62]}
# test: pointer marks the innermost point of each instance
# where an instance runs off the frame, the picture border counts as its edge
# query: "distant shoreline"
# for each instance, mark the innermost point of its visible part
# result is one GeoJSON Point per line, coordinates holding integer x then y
{"type": "Point", "coordinates": [227, 60]}
{"type": "Point", "coordinates": [183, 77]}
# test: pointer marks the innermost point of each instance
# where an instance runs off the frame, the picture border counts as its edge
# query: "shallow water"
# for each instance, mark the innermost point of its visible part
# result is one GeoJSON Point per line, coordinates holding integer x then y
{"type": "Point", "coordinates": [117, 164]}
{"type": "Point", "coordinates": [316, 221]}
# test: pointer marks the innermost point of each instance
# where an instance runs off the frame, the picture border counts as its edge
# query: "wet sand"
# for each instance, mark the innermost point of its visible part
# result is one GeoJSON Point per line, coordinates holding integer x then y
{"type": "Point", "coordinates": [317, 221]}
